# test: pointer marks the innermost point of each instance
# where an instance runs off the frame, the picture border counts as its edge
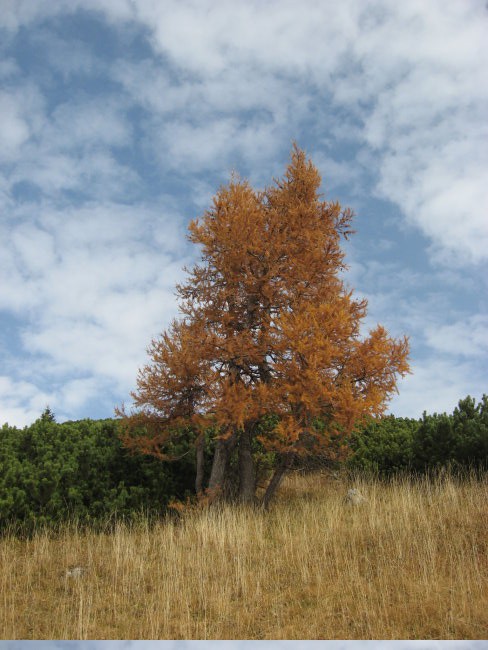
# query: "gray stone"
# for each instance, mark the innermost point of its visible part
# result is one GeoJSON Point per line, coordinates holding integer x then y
{"type": "Point", "coordinates": [76, 572]}
{"type": "Point", "coordinates": [354, 497]}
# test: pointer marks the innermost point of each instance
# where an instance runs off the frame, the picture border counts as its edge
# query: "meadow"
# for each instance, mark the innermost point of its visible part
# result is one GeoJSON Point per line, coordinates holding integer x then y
{"type": "Point", "coordinates": [410, 562]}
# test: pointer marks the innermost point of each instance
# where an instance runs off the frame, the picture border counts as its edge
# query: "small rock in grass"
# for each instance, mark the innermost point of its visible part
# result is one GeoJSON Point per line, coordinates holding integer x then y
{"type": "Point", "coordinates": [354, 497]}
{"type": "Point", "coordinates": [76, 572]}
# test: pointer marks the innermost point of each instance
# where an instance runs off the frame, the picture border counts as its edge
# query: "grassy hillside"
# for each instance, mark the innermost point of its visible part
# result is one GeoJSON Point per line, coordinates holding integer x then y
{"type": "Point", "coordinates": [410, 562]}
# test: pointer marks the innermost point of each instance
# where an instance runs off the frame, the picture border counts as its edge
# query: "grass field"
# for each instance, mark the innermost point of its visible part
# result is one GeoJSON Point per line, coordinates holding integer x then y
{"type": "Point", "coordinates": [411, 562]}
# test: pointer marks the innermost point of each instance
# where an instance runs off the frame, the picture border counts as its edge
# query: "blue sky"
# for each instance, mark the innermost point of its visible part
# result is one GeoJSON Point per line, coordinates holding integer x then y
{"type": "Point", "coordinates": [120, 119]}
{"type": "Point", "coordinates": [244, 645]}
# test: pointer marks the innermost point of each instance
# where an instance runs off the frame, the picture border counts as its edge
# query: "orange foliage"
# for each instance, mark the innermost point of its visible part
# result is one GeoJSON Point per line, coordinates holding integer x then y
{"type": "Point", "coordinates": [268, 325]}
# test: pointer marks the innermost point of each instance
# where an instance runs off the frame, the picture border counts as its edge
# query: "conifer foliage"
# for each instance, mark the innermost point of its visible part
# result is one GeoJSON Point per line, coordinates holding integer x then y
{"type": "Point", "coordinates": [268, 328]}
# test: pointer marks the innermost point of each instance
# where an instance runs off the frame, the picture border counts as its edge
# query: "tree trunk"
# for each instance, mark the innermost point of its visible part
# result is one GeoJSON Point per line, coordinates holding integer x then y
{"type": "Point", "coordinates": [223, 449]}
{"type": "Point", "coordinates": [280, 471]}
{"type": "Point", "coordinates": [200, 449]}
{"type": "Point", "coordinates": [247, 474]}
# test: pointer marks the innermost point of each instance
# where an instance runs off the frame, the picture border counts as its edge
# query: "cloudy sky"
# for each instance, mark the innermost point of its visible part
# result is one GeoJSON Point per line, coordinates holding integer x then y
{"type": "Point", "coordinates": [120, 119]}
{"type": "Point", "coordinates": [244, 645]}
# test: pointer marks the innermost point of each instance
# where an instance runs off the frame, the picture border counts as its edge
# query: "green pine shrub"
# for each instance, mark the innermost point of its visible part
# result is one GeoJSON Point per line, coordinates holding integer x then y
{"type": "Point", "coordinates": [458, 441]}
{"type": "Point", "coordinates": [52, 472]}
{"type": "Point", "coordinates": [384, 446]}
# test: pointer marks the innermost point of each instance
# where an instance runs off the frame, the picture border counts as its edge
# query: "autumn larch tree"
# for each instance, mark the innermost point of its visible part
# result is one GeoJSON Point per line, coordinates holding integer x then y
{"type": "Point", "coordinates": [267, 327]}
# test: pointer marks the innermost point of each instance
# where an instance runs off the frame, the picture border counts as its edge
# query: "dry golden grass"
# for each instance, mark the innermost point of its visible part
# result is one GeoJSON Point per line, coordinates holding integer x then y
{"type": "Point", "coordinates": [412, 562]}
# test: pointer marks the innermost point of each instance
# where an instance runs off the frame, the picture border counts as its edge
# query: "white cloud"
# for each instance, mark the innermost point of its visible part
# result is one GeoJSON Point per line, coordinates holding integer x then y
{"type": "Point", "coordinates": [14, 128]}
{"type": "Point", "coordinates": [229, 85]}
{"type": "Point", "coordinates": [93, 286]}
{"type": "Point", "coordinates": [21, 402]}
{"type": "Point", "coordinates": [86, 123]}
{"type": "Point", "coordinates": [427, 101]}
{"type": "Point", "coordinates": [468, 338]}
{"type": "Point", "coordinates": [206, 146]}
{"type": "Point", "coordinates": [427, 122]}
{"type": "Point", "coordinates": [248, 645]}
{"type": "Point", "coordinates": [339, 172]}
{"type": "Point", "coordinates": [447, 350]}
{"type": "Point", "coordinates": [109, 340]}
{"type": "Point", "coordinates": [34, 248]}
{"type": "Point", "coordinates": [252, 645]}
{"type": "Point", "coordinates": [436, 386]}
{"type": "Point", "coordinates": [96, 174]}
{"type": "Point", "coordinates": [74, 393]}
{"type": "Point", "coordinates": [70, 149]}
{"type": "Point", "coordinates": [421, 107]}
{"type": "Point", "coordinates": [196, 125]}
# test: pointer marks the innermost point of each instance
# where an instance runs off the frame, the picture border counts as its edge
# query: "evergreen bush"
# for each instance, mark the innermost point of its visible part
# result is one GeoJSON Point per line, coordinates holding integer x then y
{"type": "Point", "coordinates": [52, 472]}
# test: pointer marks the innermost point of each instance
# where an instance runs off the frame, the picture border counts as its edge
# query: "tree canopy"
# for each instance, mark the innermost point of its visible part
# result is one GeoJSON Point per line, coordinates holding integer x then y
{"type": "Point", "coordinates": [268, 327]}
